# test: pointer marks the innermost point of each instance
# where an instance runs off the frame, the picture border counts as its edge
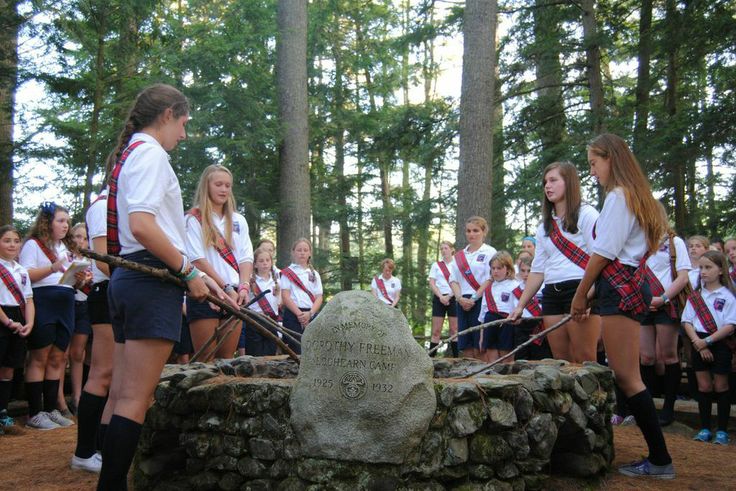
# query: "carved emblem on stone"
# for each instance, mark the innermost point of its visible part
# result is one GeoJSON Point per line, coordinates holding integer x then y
{"type": "Point", "coordinates": [352, 385]}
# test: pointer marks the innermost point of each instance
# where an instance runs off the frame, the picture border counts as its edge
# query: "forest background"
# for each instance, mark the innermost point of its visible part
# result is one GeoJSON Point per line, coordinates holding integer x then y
{"type": "Point", "coordinates": [329, 115]}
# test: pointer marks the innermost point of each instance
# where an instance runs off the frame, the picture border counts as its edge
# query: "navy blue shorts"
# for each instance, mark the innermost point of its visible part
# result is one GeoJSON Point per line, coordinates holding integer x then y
{"type": "Point", "coordinates": [202, 310]}
{"type": "Point", "coordinates": [291, 323]}
{"type": "Point", "coordinates": [466, 320]}
{"type": "Point", "coordinates": [141, 306]}
{"type": "Point", "coordinates": [82, 324]}
{"type": "Point", "coordinates": [440, 310]}
{"type": "Point", "coordinates": [54, 322]}
{"type": "Point", "coordinates": [721, 363]}
{"type": "Point", "coordinates": [99, 310]}
{"type": "Point", "coordinates": [659, 316]}
{"type": "Point", "coordinates": [258, 345]}
{"type": "Point", "coordinates": [498, 337]}
{"type": "Point", "coordinates": [184, 346]}
{"type": "Point", "coordinates": [12, 346]}
{"type": "Point", "coordinates": [609, 298]}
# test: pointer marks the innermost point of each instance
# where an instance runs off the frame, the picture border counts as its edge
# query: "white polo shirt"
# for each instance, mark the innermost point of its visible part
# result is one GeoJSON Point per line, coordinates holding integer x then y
{"type": "Point", "coordinates": [480, 265]}
{"type": "Point", "coordinates": [439, 279]}
{"type": "Point", "coordinates": [148, 184]}
{"type": "Point", "coordinates": [501, 291]}
{"type": "Point", "coordinates": [241, 246]}
{"type": "Point", "coordinates": [20, 275]}
{"type": "Point", "coordinates": [393, 286]}
{"type": "Point", "coordinates": [96, 220]}
{"type": "Point", "coordinates": [32, 257]}
{"type": "Point", "coordinates": [659, 262]}
{"type": "Point", "coordinates": [722, 306]}
{"type": "Point", "coordinates": [309, 278]}
{"type": "Point", "coordinates": [265, 284]}
{"type": "Point", "coordinates": [515, 301]}
{"type": "Point", "coordinates": [694, 275]}
{"type": "Point", "coordinates": [552, 263]}
{"type": "Point", "coordinates": [618, 233]}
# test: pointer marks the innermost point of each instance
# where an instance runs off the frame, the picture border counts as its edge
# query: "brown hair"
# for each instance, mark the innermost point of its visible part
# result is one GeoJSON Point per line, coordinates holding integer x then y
{"type": "Point", "coordinates": [306, 241]}
{"type": "Point", "coordinates": [719, 259]}
{"type": "Point", "coordinates": [570, 177]}
{"type": "Point", "coordinates": [41, 228]}
{"type": "Point", "coordinates": [274, 274]}
{"type": "Point", "coordinates": [9, 228]}
{"type": "Point", "coordinates": [480, 221]}
{"type": "Point", "coordinates": [507, 261]}
{"type": "Point", "coordinates": [150, 103]}
{"type": "Point", "coordinates": [625, 173]}
{"type": "Point", "coordinates": [388, 262]}
{"type": "Point", "coordinates": [204, 203]}
{"type": "Point", "coordinates": [448, 243]}
{"type": "Point", "coordinates": [704, 241]}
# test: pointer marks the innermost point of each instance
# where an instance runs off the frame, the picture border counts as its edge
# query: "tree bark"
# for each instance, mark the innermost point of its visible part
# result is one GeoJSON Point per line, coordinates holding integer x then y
{"type": "Point", "coordinates": [673, 137]}
{"type": "Point", "coordinates": [474, 193]}
{"type": "Point", "coordinates": [291, 86]}
{"type": "Point", "coordinates": [643, 83]}
{"type": "Point", "coordinates": [9, 24]}
{"type": "Point", "coordinates": [593, 61]}
{"type": "Point", "coordinates": [93, 162]}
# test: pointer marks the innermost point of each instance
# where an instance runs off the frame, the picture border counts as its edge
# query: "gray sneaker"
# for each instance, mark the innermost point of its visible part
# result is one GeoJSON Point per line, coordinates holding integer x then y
{"type": "Point", "coordinates": [41, 421]}
{"type": "Point", "coordinates": [60, 420]}
{"type": "Point", "coordinates": [92, 464]}
{"type": "Point", "coordinates": [647, 469]}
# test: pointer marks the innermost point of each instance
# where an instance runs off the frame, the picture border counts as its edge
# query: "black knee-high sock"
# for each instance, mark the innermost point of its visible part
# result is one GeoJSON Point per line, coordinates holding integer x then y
{"type": "Point", "coordinates": [431, 347]}
{"type": "Point", "coordinates": [453, 349]}
{"type": "Point", "coordinates": [672, 375]}
{"type": "Point", "coordinates": [50, 395]}
{"type": "Point", "coordinates": [88, 420]}
{"type": "Point", "coordinates": [6, 387]}
{"type": "Point", "coordinates": [101, 432]}
{"type": "Point", "coordinates": [641, 406]}
{"type": "Point", "coordinates": [85, 373]}
{"type": "Point", "coordinates": [648, 376]}
{"type": "Point", "coordinates": [723, 403]}
{"type": "Point", "coordinates": [622, 409]}
{"type": "Point", "coordinates": [705, 406]}
{"type": "Point", "coordinates": [34, 392]}
{"type": "Point", "coordinates": [118, 451]}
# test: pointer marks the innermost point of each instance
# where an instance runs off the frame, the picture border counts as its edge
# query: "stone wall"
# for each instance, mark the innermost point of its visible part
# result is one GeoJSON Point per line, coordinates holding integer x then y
{"type": "Point", "coordinates": [228, 427]}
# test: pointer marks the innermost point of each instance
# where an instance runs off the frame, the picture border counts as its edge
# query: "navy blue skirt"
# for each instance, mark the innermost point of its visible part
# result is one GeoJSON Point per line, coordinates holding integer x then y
{"type": "Point", "coordinates": [54, 321]}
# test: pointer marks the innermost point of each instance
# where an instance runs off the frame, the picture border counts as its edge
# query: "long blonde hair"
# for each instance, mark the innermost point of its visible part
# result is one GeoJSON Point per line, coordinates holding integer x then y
{"type": "Point", "coordinates": [274, 274]}
{"type": "Point", "coordinates": [626, 173]}
{"type": "Point", "coordinates": [309, 244]}
{"type": "Point", "coordinates": [203, 202]}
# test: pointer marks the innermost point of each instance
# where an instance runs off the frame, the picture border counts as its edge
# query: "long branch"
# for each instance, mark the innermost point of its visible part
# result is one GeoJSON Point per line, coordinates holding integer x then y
{"type": "Point", "coordinates": [476, 328]}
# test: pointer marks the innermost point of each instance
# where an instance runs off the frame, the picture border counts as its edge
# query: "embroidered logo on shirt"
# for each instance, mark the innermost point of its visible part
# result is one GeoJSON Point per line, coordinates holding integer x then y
{"type": "Point", "coordinates": [236, 227]}
{"type": "Point", "coordinates": [312, 277]}
{"type": "Point", "coordinates": [481, 258]}
{"type": "Point", "coordinates": [23, 279]}
{"type": "Point", "coordinates": [718, 303]}
{"type": "Point", "coordinates": [505, 296]}
{"type": "Point", "coordinates": [393, 284]}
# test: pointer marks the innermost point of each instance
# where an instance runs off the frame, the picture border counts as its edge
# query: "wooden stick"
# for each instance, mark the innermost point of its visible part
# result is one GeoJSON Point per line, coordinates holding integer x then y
{"type": "Point", "coordinates": [223, 325]}
{"type": "Point", "coordinates": [164, 275]}
{"type": "Point", "coordinates": [498, 322]}
{"type": "Point", "coordinates": [529, 341]}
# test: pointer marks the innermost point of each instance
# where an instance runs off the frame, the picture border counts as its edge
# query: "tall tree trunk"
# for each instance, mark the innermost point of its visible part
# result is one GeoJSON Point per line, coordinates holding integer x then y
{"type": "Point", "coordinates": [673, 136]}
{"type": "Point", "coordinates": [499, 237]}
{"type": "Point", "coordinates": [291, 87]}
{"type": "Point", "coordinates": [9, 24]}
{"type": "Point", "coordinates": [643, 84]}
{"type": "Point", "coordinates": [407, 229]}
{"type": "Point", "coordinates": [388, 241]}
{"type": "Point", "coordinates": [593, 62]}
{"type": "Point", "coordinates": [93, 162]}
{"type": "Point", "coordinates": [474, 193]}
{"type": "Point", "coordinates": [710, 194]}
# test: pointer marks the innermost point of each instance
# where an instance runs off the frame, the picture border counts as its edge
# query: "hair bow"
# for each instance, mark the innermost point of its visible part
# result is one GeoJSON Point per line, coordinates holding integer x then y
{"type": "Point", "coordinates": [48, 207]}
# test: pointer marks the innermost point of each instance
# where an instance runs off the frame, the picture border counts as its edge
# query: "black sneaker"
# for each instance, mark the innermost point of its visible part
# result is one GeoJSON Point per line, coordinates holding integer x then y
{"type": "Point", "coordinates": [647, 469]}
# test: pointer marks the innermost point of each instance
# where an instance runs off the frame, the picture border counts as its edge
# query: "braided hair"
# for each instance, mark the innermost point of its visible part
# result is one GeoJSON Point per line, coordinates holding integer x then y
{"type": "Point", "coordinates": [148, 106]}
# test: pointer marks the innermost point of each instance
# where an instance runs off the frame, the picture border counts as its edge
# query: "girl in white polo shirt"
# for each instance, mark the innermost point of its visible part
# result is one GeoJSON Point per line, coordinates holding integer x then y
{"type": "Point", "coordinates": [564, 240]}
{"type": "Point", "coordinates": [386, 287]}
{"type": "Point", "coordinates": [629, 228]}
{"type": "Point", "coordinates": [145, 224]}
{"type": "Point", "coordinates": [16, 316]}
{"type": "Point", "coordinates": [301, 291]}
{"type": "Point", "coordinates": [46, 254]}
{"type": "Point", "coordinates": [471, 274]}
{"type": "Point", "coordinates": [218, 243]}
{"type": "Point", "coordinates": [443, 301]}
{"type": "Point", "coordinates": [265, 278]}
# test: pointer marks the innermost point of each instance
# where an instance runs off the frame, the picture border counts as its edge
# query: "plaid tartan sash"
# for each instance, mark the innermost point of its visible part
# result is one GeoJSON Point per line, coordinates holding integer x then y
{"type": "Point", "coordinates": [706, 318]}
{"type": "Point", "coordinates": [491, 302]}
{"type": "Point", "coordinates": [657, 289]}
{"type": "Point", "coordinates": [7, 277]}
{"type": "Point", "coordinates": [567, 247]}
{"type": "Point", "coordinates": [291, 275]}
{"type": "Point", "coordinates": [382, 288]}
{"type": "Point", "coordinates": [50, 255]}
{"type": "Point", "coordinates": [222, 247]}
{"type": "Point", "coordinates": [113, 236]}
{"type": "Point", "coordinates": [465, 270]}
{"type": "Point", "coordinates": [532, 306]}
{"type": "Point", "coordinates": [445, 270]}
{"type": "Point", "coordinates": [627, 284]}
{"type": "Point", "coordinates": [732, 274]}
{"type": "Point", "coordinates": [263, 302]}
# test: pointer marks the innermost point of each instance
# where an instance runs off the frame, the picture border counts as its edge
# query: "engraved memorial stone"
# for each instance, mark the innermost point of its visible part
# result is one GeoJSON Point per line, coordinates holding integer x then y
{"type": "Point", "coordinates": [364, 390]}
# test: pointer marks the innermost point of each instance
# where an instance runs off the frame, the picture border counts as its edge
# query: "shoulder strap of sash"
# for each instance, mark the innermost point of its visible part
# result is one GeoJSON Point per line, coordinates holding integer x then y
{"type": "Point", "coordinates": [465, 270]}
{"type": "Point", "coordinates": [445, 270]}
{"type": "Point", "coordinates": [50, 255]}
{"type": "Point", "coordinates": [292, 276]}
{"type": "Point", "coordinates": [222, 247]}
{"type": "Point", "coordinates": [703, 312]}
{"type": "Point", "coordinates": [490, 301]}
{"type": "Point", "coordinates": [113, 236]}
{"type": "Point", "coordinates": [568, 248]}
{"type": "Point", "coordinates": [263, 302]}
{"type": "Point", "coordinates": [382, 288]}
{"type": "Point", "coordinates": [7, 278]}
{"type": "Point", "coordinates": [532, 306]}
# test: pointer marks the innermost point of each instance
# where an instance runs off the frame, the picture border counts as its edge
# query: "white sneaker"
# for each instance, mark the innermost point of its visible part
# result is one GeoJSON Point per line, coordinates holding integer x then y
{"type": "Point", "coordinates": [92, 464]}
{"type": "Point", "coordinates": [60, 420]}
{"type": "Point", "coordinates": [41, 421]}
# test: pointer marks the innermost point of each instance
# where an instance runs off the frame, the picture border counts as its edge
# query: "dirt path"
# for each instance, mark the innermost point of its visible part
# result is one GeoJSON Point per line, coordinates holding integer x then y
{"type": "Point", "coordinates": [39, 460]}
